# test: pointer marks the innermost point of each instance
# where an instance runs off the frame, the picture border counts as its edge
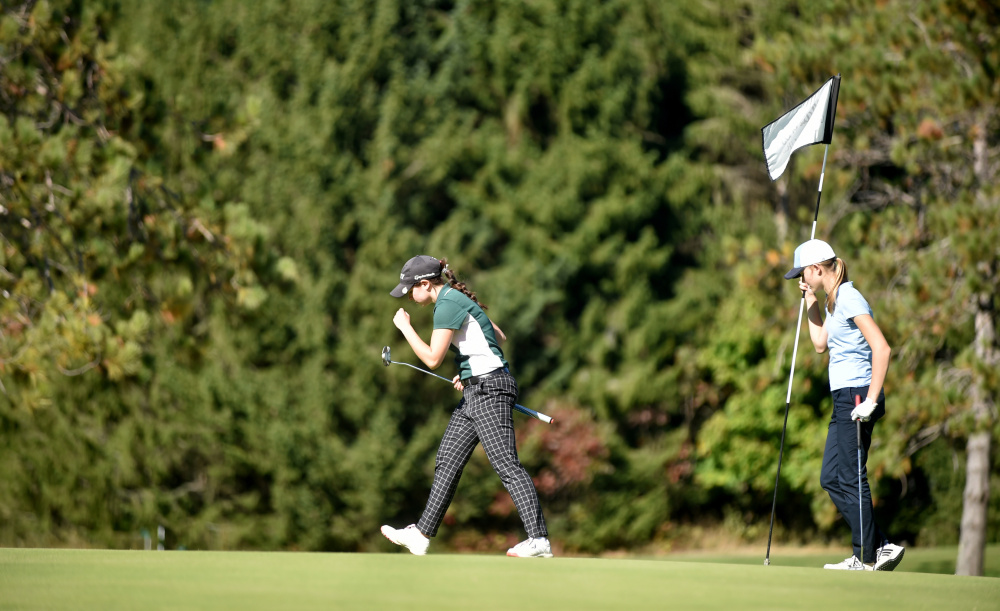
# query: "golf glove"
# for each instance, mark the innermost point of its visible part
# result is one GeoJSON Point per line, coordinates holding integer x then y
{"type": "Point", "coordinates": [863, 412]}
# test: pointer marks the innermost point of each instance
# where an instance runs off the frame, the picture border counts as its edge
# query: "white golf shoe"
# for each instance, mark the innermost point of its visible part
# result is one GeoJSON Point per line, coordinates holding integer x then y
{"type": "Point", "coordinates": [531, 548]}
{"type": "Point", "coordinates": [888, 557]}
{"type": "Point", "coordinates": [849, 564]}
{"type": "Point", "coordinates": [409, 537]}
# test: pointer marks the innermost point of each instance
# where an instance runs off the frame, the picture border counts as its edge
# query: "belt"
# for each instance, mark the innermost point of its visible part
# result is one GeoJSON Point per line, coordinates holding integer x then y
{"type": "Point", "coordinates": [473, 380]}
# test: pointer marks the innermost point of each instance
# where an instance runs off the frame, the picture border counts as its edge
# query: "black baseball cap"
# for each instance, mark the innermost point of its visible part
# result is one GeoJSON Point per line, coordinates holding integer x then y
{"type": "Point", "coordinates": [416, 269]}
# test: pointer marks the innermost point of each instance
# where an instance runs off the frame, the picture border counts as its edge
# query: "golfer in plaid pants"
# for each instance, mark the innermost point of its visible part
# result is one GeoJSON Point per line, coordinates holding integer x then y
{"type": "Point", "coordinates": [485, 413]}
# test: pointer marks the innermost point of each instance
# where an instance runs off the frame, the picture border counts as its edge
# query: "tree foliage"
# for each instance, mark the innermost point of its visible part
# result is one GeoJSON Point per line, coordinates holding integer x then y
{"type": "Point", "coordinates": [206, 203]}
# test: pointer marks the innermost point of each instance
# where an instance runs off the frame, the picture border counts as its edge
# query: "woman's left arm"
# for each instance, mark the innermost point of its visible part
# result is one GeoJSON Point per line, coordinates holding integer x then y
{"type": "Point", "coordinates": [498, 332]}
{"type": "Point", "coordinates": [432, 355]}
{"type": "Point", "coordinates": [880, 353]}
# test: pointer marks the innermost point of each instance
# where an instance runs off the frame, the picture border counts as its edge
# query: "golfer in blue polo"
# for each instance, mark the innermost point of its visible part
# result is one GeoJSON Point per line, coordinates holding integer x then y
{"type": "Point", "coordinates": [859, 360]}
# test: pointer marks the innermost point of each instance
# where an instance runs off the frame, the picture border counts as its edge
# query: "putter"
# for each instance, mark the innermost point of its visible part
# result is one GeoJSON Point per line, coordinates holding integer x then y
{"type": "Point", "coordinates": [387, 360]}
{"type": "Point", "coordinates": [861, 502]}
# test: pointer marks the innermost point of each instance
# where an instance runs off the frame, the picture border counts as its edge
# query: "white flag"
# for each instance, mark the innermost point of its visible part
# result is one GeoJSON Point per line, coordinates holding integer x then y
{"type": "Point", "coordinates": [811, 122]}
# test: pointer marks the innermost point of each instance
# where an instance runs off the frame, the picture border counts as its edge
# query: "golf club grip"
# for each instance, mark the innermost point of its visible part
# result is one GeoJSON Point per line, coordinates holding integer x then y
{"type": "Point", "coordinates": [533, 413]}
{"type": "Point", "coordinates": [857, 427]}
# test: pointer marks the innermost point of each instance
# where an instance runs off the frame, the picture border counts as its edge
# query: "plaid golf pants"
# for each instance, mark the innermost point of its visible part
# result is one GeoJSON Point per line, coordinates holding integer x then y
{"type": "Point", "coordinates": [485, 415]}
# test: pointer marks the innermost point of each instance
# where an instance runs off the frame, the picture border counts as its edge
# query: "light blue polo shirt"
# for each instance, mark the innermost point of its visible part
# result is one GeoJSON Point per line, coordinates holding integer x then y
{"type": "Point", "coordinates": [850, 354]}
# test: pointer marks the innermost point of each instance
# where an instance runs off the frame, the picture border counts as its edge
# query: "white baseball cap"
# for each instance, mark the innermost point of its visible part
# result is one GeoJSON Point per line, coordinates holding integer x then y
{"type": "Point", "coordinates": [809, 253]}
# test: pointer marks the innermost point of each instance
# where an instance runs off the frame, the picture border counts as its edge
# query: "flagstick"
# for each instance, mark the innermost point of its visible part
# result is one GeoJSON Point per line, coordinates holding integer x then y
{"type": "Point", "coordinates": [791, 373]}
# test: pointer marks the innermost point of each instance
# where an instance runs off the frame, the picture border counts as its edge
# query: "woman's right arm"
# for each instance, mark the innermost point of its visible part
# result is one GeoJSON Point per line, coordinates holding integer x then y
{"type": "Point", "coordinates": [431, 354]}
{"type": "Point", "coordinates": [817, 330]}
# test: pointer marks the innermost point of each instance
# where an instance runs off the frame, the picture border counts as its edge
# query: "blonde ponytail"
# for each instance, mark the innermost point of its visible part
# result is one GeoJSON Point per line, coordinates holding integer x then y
{"type": "Point", "coordinates": [838, 267]}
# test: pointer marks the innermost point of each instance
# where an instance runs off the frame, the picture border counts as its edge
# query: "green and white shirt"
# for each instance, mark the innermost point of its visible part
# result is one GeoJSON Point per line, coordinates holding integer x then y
{"type": "Point", "coordinates": [474, 340]}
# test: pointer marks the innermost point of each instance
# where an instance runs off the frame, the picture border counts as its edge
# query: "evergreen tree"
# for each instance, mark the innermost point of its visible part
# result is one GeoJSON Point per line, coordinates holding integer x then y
{"type": "Point", "coordinates": [205, 205]}
{"type": "Point", "coordinates": [106, 276]}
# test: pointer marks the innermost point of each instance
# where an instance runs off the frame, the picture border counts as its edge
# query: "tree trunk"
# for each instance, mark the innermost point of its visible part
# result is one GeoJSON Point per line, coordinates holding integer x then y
{"type": "Point", "coordinates": [972, 540]}
{"type": "Point", "coordinates": [781, 213]}
{"type": "Point", "coordinates": [975, 501]}
{"type": "Point", "coordinates": [972, 543]}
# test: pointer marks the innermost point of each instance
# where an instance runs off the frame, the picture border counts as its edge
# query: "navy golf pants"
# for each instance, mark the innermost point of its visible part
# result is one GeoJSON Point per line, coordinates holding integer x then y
{"type": "Point", "coordinates": [839, 476]}
{"type": "Point", "coordinates": [485, 415]}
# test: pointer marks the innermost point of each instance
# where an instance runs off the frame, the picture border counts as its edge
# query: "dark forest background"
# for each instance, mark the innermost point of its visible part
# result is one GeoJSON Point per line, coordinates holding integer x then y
{"type": "Point", "coordinates": [204, 204]}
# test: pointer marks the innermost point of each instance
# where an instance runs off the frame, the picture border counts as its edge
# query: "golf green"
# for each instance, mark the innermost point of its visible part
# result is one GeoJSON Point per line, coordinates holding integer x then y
{"type": "Point", "coordinates": [107, 580]}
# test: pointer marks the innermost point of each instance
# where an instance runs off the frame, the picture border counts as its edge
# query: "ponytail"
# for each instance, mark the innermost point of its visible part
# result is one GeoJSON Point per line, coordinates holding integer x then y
{"type": "Point", "coordinates": [838, 267]}
{"type": "Point", "coordinates": [458, 286]}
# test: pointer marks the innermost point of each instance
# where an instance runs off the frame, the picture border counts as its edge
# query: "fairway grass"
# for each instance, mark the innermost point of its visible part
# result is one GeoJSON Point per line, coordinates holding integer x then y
{"type": "Point", "coordinates": [915, 560]}
{"type": "Point", "coordinates": [109, 580]}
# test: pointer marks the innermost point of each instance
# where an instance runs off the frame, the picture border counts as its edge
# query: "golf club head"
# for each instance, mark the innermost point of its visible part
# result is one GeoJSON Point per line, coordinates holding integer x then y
{"type": "Point", "coordinates": [386, 356]}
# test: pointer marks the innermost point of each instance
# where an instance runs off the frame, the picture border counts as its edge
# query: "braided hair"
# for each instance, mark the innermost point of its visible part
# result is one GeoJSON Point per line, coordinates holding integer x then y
{"type": "Point", "coordinates": [455, 284]}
